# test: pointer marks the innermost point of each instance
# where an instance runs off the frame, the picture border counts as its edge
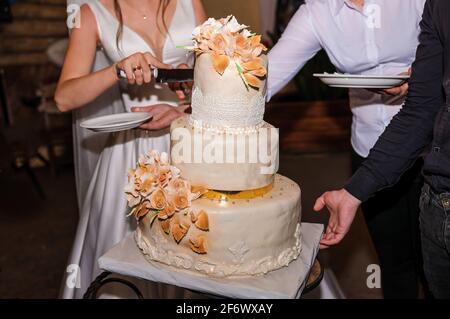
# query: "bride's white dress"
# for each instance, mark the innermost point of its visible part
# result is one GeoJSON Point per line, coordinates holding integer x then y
{"type": "Point", "coordinates": [103, 222]}
{"type": "Point", "coordinates": [88, 145]}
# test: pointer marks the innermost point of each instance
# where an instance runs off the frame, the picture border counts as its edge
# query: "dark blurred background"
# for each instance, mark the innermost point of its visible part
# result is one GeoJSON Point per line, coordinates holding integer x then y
{"type": "Point", "coordinates": [38, 207]}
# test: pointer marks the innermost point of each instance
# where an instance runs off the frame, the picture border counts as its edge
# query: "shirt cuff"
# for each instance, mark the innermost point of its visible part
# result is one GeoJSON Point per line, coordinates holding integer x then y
{"type": "Point", "coordinates": [363, 184]}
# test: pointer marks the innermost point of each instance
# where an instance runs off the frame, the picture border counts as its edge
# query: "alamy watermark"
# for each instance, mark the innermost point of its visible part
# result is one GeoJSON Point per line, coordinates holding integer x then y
{"type": "Point", "coordinates": [373, 14]}
{"type": "Point", "coordinates": [374, 279]}
{"type": "Point", "coordinates": [73, 16]}
{"type": "Point", "coordinates": [73, 276]}
{"type": "Point", "coordinates": [199, 146]}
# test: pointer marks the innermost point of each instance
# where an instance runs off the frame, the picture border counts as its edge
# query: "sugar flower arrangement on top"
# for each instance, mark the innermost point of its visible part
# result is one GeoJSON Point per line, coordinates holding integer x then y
{"type": "Point", "coordinates": [227, 42]}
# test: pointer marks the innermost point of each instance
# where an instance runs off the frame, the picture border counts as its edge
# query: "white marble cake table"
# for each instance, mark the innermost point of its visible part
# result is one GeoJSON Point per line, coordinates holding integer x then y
{"type": "Point", "coordinates": [286, 283]}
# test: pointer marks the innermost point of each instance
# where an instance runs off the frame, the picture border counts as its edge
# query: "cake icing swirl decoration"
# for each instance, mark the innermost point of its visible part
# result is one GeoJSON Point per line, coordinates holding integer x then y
{"type": "Point", "coordinates": [227, 42]}
{"type": "Point", "coordinates": [156, 189]}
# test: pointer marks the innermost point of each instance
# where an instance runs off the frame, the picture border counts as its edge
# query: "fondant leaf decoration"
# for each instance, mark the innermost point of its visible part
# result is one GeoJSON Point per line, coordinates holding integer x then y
{"type": "Point", "coordinates": [202, 221]}
{"type": "Point", "coordinates": [198, 245]}
{"type": "Point", "coordinates": [193, 217]}
{"type": "Point", "coordinates": [255, 67]}
{"type": "Point", "coordinates": [179, 231]}
{"type": "Point", "coordinates": [142, 210]}
{"type": "Point", "coordinates": [255, 40]}
{"type": "Point", "coordinates": [220, 62]}
{"type": "Point", "coordinates": [252, 80]}
{"type": "Point", "coordinates": [165, 225]}
{"type": "Point", "coordinates": [259, 72]}
{"type": "Point", "coordinates": [133, 211]}
{"type": "Point", "coordinates": [198, 191]}
{"type": "Point", "coordinates": [253, 64]}
{"type": "Point", "coordinates": [257, 51]}
{"type": "Point", "coordinates": [168, 212]}
{"type": "Point", "coordinates": [153, 218]}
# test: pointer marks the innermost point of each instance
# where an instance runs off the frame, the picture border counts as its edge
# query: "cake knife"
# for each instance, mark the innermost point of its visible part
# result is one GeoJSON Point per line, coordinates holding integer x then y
{"type": "Point", "coordinates": [166, 75]}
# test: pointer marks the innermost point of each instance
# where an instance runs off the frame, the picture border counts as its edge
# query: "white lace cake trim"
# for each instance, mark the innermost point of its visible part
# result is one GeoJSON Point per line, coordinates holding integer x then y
{"type": "Point", "coordinates": [234, 111]}
{"type": "Point", "coordinates": [224, 129]}
{"type": "Point", "coordinates": [203, 265]}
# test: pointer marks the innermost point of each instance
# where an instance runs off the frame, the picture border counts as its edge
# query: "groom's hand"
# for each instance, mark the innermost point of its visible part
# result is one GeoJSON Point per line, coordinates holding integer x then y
{"type": "Point", "coordinates": [342, 207]}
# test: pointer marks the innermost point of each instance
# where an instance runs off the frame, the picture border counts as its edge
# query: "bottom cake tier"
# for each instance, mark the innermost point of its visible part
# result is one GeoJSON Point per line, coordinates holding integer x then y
{"type": "Point", "coordinates": [229, 234]}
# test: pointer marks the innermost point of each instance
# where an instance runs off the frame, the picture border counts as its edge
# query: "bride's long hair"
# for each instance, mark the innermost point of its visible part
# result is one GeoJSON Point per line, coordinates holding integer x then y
{"type": "Point", "coordinates": [160, 14]}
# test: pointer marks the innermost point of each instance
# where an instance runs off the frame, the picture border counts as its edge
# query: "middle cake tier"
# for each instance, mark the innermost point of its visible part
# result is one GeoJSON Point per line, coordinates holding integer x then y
{"type": "Point", "coordinates": [222, 158]}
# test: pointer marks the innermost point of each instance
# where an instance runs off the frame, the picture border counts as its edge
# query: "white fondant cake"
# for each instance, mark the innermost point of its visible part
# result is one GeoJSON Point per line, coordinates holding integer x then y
{"type": "Point", "coordinates": [229, 161]}
{"type": "Point", "coordinates": [222, 100]}
{"type": "Point", "coordinates": [245, 237]}
{"type": "Point", "coordinates": [219, 208]}
{"type": "Point", "coordinates": [227, 118]}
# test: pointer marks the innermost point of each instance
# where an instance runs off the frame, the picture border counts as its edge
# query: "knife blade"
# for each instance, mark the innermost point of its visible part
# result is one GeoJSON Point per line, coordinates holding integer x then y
{"type": "Point", "coordinates": [166, 75]}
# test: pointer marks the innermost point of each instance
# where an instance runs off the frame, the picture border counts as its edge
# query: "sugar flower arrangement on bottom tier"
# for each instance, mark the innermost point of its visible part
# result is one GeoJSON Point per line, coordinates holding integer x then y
{"type": "Point", "coordinates": [227, 42]}
{"type": "Point", "coordinates": [155, 188]}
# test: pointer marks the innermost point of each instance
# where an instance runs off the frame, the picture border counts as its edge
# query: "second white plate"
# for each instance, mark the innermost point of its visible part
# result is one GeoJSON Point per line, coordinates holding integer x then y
{"type": "Point", "coordinates": [362, 81]}
{"type": "Point", "coordinates": [116, 122]}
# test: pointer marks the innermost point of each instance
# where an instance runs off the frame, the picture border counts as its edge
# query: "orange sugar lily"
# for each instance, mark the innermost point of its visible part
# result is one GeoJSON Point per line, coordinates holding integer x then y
{"type": "Point", "coordinates": [220, 62]}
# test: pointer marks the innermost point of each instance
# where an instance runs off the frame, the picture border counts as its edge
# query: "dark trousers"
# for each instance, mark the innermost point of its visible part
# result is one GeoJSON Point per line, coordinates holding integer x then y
{"type": "Point", "coordinates": [392, 217]}
{"type": "Point", "coordinates": [435, 230]}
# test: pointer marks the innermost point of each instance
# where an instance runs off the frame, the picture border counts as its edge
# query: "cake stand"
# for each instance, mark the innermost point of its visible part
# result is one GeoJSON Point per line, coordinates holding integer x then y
{"type": "Point", "coordinates": [287, 283]}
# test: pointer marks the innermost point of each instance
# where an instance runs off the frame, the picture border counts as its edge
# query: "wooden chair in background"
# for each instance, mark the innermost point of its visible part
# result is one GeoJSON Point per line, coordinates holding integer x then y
{"type": "Point", "coordinates": [57, 130]}
{"type": "Point", "coordinates": [15, 154]}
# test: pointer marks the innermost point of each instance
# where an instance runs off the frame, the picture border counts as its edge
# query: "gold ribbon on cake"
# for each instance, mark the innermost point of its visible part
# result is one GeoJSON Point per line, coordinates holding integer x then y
{"type": "Point", "coordinates": [250, 194]}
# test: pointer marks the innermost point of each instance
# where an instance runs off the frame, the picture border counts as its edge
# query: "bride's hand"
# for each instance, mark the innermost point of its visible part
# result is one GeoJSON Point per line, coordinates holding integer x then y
{"type": "Point", "coordinates": [163, 115]}
{"type": "Point", "coordinates": [137, 67]}
{"type": "Point", "coordinates": [182, 88]}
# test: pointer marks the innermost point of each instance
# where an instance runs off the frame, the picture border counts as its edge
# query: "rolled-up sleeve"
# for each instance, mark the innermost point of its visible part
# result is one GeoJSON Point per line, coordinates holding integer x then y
{"type": "Point", "coordinates": [412, 129]}
{"type": "Point", "coordinates": [295, 48]}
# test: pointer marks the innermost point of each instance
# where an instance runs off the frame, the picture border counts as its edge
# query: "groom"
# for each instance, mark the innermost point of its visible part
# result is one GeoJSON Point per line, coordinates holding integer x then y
{"type": "Point", "coordinates": [423, 121]}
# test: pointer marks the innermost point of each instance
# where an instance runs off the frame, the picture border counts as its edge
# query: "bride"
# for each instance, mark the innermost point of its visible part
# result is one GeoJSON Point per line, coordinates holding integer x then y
{"type": "Point", "coordinates": [89, 145]}
{"type": "Point", "coordinates": [122, 28]}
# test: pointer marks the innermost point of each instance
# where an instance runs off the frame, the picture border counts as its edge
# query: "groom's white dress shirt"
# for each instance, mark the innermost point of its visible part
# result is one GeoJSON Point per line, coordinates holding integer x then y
{"type": "Point", "coordinates": [380, 39]}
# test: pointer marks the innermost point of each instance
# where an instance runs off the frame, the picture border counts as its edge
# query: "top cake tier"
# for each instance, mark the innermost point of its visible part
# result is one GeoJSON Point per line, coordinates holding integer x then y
{"type": "Point", "coordinates": [224, 100]}
{"type": "Point", "coordinates": [230, 75]}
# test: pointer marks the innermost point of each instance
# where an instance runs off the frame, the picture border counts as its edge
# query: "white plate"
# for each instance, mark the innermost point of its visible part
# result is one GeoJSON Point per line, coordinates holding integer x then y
{"type": "Point", "coordinates": [362, 81]}
{"type": "Point", "coordinates": [116, 122]}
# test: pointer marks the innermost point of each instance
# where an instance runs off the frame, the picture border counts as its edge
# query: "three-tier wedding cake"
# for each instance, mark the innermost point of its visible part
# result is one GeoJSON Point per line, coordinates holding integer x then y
{"type": "Point", "coordinates": [217, 206]}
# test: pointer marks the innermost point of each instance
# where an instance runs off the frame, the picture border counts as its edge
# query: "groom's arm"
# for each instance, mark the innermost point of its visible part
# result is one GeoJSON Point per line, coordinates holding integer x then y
{"type": "Point", "coordinates": [411, 130]}
{"type": "Point", "coordinates": [407, 135]}
{"type": "Point", "coordinates": [296, 47]}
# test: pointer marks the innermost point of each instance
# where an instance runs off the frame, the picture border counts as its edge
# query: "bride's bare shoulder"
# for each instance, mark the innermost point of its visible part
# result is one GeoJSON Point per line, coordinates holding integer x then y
{"type": "Point", "coordinates": [85, 24]}
{"type": "Point", "coordinates": [87, 17]}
